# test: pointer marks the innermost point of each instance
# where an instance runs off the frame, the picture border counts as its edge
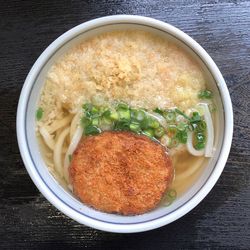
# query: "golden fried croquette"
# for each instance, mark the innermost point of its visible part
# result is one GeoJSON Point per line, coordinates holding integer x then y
{"type": "Point", "coordinates": [120, 172]}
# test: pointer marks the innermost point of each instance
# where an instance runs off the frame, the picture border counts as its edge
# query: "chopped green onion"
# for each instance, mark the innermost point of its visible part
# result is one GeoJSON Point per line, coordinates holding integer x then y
{"type": "Point", "coordinates": [94, 110]}
{"type": "Point", "coordinates": [87, 106]}
{"type": "Point", "coordinates": [124, 113]}
{"type": "Point", "coordinates": [85, 121]}
{"type": "Point", "coordinates": [153, 123]}
{"type": "Point", "coordinates": [201, 126]}
{"type": "Point", "coordinates": [205, 94]}
{"type": "Point", "coordinates": [182, 136]}
{"type": "Point", "coordinates": [88, 114]}
{"type": "Point", "coordinates": [195, 117]}
{"type": "Point", "coordinates": [91, 130]}
{"type": "Point", "coordinates": [169, 115]}
{"type": "Point", "coordinates": [159, 132]}
{"type": "Point", "coordinates": [199, 145]}
{"type": "Point", "coordinates": [106, 114]}
{"type": "Point", "coordinates": [200, 137]}
{"type": "Point", "coordinates": [91, 115]}
{"type": "Point", "coordinates": [122, 125]}
{"type": "Point", "coordinates": [172, 194]}
{"type": "Point", "coordinates": [39, 114]}
{"type": "Point", "coordinates": [182, 126]}
{"type": "Point", "coordinates": [114, 115]}
{"type": "Point", "coordinates": [122, 105]}
{"type": "Point", "coordinates": [133, 113]}
{"type": "Point", "coordinates": [135, 127]}
{"type": "Point", "coordinates": [144, 123]}
{"type": "Point", "coordinates": [106, 120]}
{"type": "Point", "coordinates": [200, 140]}
{"type": "Point", "coordinates": [125, 118]}
{"type": "Point", "coordinates": [102, 109]}
{"type": "Point", "coordinates": [181, 113]}
{"type": "Point", "coordinates": [148, 132]}
{"type": "Point", "coordinates": [140, 115]}
{"type": "Point", "coordinates": [95, 122]}
{"type": "Point", "coordinates": [169, 197]}
{"type": "Point", "coordinates": [91, 111]}
{"type": "Point", "coordinates": [158, 111]}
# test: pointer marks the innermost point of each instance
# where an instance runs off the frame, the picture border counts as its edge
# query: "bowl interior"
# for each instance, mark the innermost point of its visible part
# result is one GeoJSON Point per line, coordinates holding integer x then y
{"type": "Point", "coordinates": [61, 192]}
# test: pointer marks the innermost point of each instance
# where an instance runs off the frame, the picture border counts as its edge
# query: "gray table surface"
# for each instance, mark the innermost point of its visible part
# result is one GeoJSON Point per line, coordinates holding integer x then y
{"type": "Point", "coordinates": [220, 221]}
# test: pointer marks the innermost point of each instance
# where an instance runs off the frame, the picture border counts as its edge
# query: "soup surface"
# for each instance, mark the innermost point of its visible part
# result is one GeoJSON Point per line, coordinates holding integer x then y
{"type": "Point", "coordinates": [134, 78]}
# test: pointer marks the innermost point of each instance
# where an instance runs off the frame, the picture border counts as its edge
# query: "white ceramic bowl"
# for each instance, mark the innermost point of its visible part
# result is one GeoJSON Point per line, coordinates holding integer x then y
{"type": "Point", "coordinates": [63, 199]}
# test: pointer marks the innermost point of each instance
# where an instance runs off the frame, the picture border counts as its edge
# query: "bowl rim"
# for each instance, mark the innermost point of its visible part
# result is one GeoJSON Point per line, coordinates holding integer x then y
{"type": "Point", "coordinates": [219, 165]}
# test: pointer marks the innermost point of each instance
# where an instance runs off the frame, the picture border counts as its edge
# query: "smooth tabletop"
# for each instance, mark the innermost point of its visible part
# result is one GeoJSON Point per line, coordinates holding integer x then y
{"type": "Point", "coordinates": [220, 221]}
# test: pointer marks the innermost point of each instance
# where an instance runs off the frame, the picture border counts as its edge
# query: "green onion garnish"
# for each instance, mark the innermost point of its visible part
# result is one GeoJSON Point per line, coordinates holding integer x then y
{"type": "Point", "coordinates": [153, 123]}
{"type": "Point", "coordinates": [158, 111]}
{"type": "Point", "coordinates": [106, 114]}
{"type": "Point", "coordinates": [200, 137]}
{"type": "Point", "coordinates": [181, 113]}
{"type": "Point", "coordinates": [195, 118]}
{"type": "Point", "coordinates": [94, 110]}
{"type": "Point", "coordinates": [182, 136]}
{"type": "Point", "coordinates": [122, 105]}
{"type": "Point", "coordinates": [159, 132]}
{"type": "Point", "coordinates": [39, 114]}
{"type": "Point", "coordinates": [172, 194]}
{"type": "Point", "coordinates": [91, 130]}
{"type": "Point", "coordinates": [114, 115]}
{"type": "Point", "coordinates": [123, 113]}
{"type": "Point", "coordinates": [199, 140]}
{"type": "Point", "coordinates": [201, 126]}
{"type": "Point", "coordinates": [169, 197]}
{"type": "Point", "coordinates": [95, 121]}
{"type": "Point", "coordinates": [87, 106]}
{"type": "Point", "coordinates": [85, 121]}
{"type": "Point", "coordinates": [135, 127]}
{"type": "Point", "coordinates": [144, 123]}
{"type": "Point", "coordinates": [199, 145]}
{"type": "Point", "coordinates": [182, 126]}
{"type": "Point", "coordinates": [205, 94]}
{"type": "Point", "coordinates": [139, 115]}
{"type": "Point", "coordinates": [106, 121]}
{"type": "Point", "coordinates": [122, 125]}
{"type": "Point", "coordinates": [169, 115]}
{"type": "Point", "coordinates": [124, 118]}
{"type": "Point", "coordinates": [148, 132]}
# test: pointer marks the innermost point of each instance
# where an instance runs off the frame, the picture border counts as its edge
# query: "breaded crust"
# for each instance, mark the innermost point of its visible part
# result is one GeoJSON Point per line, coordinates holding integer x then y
{"type": "Point", "coordinates": [120, 172]}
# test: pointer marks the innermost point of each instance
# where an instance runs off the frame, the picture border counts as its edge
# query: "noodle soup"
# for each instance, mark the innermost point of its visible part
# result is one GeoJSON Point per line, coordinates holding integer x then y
{"type": "Point", "coordinates": [128, 80]}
